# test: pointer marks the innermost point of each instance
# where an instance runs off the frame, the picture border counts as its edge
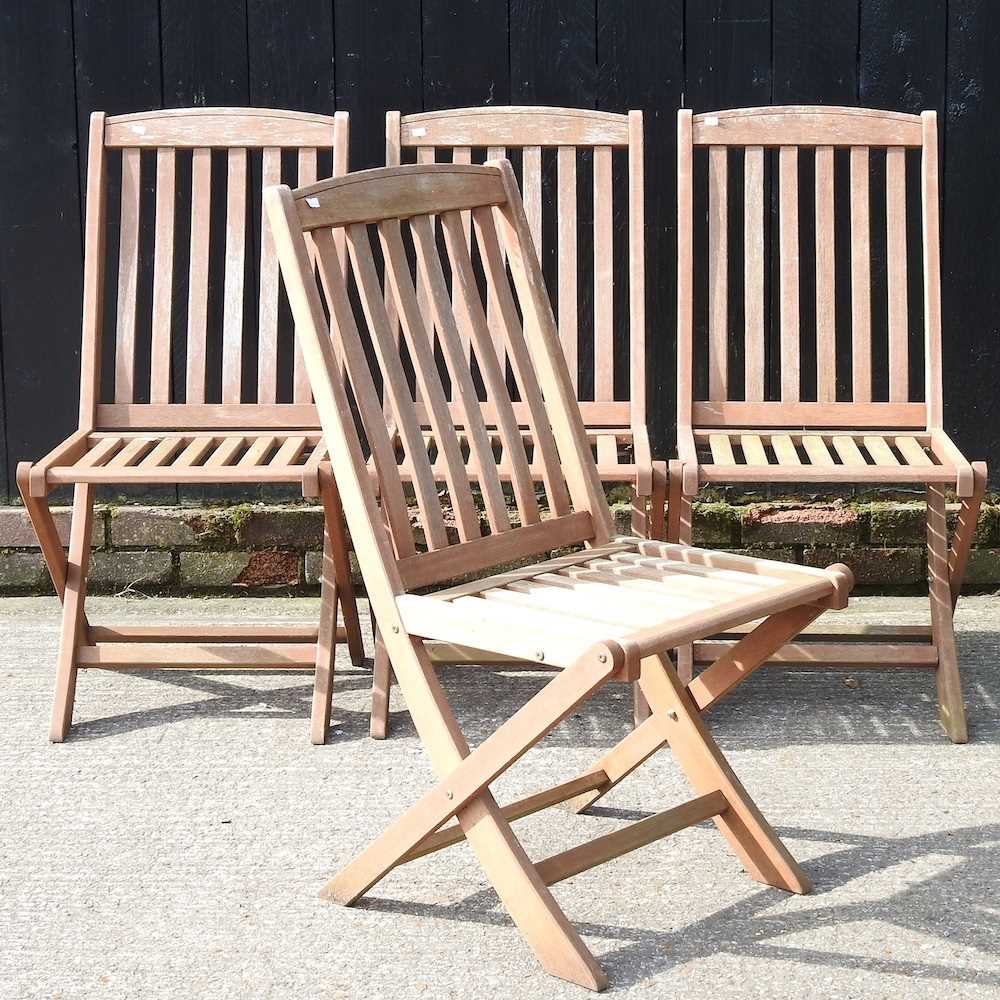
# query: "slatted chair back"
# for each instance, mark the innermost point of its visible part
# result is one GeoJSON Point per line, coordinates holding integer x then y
{"type": "Point", "coordinates": [191, 332]}
{"type": "Point", "coordinates": [591, 155]}
{"type": "Point", "coordinates": [759, 346]}
{"type": "Point", "coordinates": [418, 212]}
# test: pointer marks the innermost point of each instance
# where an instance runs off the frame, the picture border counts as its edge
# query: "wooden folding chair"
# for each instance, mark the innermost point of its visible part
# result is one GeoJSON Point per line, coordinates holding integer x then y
{"type": "Point", "coordinates": [608, 612]}
{"type": "Point", "coordinates": [234, 409]}
{"type": "Point", "coordinates": [588, 156]}
{"type": "Point", "coordinates": [789, 407]}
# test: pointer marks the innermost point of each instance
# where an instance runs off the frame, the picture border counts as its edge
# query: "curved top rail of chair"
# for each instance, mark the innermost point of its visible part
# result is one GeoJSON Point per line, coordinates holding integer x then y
{"type": "Point", "coordinates": [515, 126]}
{"type": "Point", "coordinates": [207, 127]}
{"type": "Point", "coordinates": [807, 125]}
{"type": "Point", "coordinates": [397, 193]}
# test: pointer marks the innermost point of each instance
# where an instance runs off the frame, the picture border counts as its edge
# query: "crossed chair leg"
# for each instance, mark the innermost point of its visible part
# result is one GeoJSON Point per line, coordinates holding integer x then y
{"type": "Point", "coordinates": [947, 561]}
{"type": "Point", "coordinates": [463, 792]}
{"type": "Point", "coordinates": [69, 572]}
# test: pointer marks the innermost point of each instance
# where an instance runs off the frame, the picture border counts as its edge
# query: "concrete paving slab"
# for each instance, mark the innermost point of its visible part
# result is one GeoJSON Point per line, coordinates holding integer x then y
{"type": "Point", "coordinates": [175, 844]}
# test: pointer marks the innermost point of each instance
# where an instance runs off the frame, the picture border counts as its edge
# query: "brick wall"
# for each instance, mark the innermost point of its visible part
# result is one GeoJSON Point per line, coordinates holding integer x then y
{"type": "Point", "coordinates": [258, 546]}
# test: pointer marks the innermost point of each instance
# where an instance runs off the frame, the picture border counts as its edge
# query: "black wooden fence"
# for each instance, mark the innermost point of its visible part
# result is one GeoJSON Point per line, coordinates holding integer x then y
{"type": "Point", "coordinates": [61, 59]}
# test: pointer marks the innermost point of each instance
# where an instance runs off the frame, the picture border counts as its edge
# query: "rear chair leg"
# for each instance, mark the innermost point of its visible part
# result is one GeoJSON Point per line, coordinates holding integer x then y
{"type": "Point", "coordinates": [72, 617]}
{"type": "Point", "coordinates": [333, 517]}
{"type": "Point", "coordinates": [751, 837]}
{"type": "Point", "coordinates": [326, 646]}
{"type": "Point", "coordinates": [680, 528]}
{"type": "Point", "coordinates": [949, 683]}
{"type": "Point", "coordinates": [968, 518]}
{"type": "Point", "coordinates": [381, 687]}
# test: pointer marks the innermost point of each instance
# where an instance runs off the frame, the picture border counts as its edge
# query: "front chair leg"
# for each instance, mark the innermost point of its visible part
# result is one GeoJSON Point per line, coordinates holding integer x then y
{"type": "Point", "coordinates": [75, 593]}
{"type": "Point", "coordinates": [949, 682]}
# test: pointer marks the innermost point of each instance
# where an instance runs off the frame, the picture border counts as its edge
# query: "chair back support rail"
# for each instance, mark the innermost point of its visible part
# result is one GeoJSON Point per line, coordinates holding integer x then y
{"type": "Point", "coordinates": [198, 335]}
{"type": "Point", "coordinates": [831, 178]}
{"type": "Point", "coordinates": [570, 149]}
{"type": "Point", "coordinates": [457, 465]}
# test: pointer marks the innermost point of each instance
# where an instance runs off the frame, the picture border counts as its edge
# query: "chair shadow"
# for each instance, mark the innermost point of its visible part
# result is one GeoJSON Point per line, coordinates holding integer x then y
{"type": "Point", "coordinates": [942, 906]}
{"type": "Point", "coordinates": [234, 701]}
{"type": "Point", "coordinates": [776, 707]}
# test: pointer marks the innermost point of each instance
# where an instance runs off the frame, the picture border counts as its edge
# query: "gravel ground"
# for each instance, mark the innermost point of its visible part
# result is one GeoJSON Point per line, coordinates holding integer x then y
{"type": "Point", "coordinates": [174, 845]}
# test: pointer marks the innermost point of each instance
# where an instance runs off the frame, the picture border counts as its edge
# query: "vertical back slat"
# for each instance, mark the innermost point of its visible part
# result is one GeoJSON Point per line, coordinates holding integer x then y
{"type": "Point", "coordinates": [932, 268]}
{"type": "Point", "coordinates": [788, 211]}
{"type": "Point", "coordinates": [604, 280]}
{"type": "Point", "coordinates": [500, 293]}
{"type": "Point", "coordinates": [403, 300]}
{"type": "Point", "coordinates": [826, 335]}
{"type": "Point", "coordinates": [236, 244]}
{"type": "Point", "coordinates": [307, 170]}
{"type": "Point", "coordinates": [396, 386]}
{"type": "Point", "coordinates": [480, 453]}
{"type": "Point", "coordinates": [895, 220]}
{"type": "Point", "coordinates": [163, 277]}
{"type": "Point", "coordinates": [718, 267]}
{"type": "Point", "coordinates": [267, 313]}
{"type": "Point", "coordinates": [495, 153]}
{"type": "Point", "coordinates": [531, 187]}
{"type": "Point", "coordinates": [201, 198]}
{"type": "Point", "coordinates": [636, 271]}
{"type": "Point", "coordinates": [753, 273]}
{"type": "Point", "coordinates": [332, 269]}
{"type": "Point", "coordinates": [128, 276]}
{"type": "Point", "coordinates": [468, 301]}
{"type": "Point", "coordinates": [861, 360]}
{"type": "Point", "coordinates": [567, 265]}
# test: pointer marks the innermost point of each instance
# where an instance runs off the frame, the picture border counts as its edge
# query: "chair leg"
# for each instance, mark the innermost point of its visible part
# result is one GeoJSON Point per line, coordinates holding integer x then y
{"type": "Point", "coordinates": [949, 683]}
{"type": "Point", "coordinates": [333, 516]}
{"type": "Point", "coordinates": [680, 528]}
{"type": "Point", "coordinates": [40, 515]}
{"type": "Point", "coordinates": [326, 646]}
{"type": "Point", "coordinates": [965, 530]}
{"type": "Point", "coordinates": [75, 593]}
{"type": "Point", "coordinates": [381, 688]}
{"type": "Point", "coordinates": [751, 837]}
{"type": "Point", "coordinates": [526, 897]}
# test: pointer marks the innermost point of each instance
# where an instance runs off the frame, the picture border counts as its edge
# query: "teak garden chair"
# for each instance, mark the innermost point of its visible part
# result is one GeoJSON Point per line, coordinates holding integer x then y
{"type": "Point", "coordinates": [798, 407]}
{"type": "Point", "coordinates": [589, 158]}
{"type": "Point", "coordinates": [606, 613]}
{"type": "Point", "coordinates": [233, 408]}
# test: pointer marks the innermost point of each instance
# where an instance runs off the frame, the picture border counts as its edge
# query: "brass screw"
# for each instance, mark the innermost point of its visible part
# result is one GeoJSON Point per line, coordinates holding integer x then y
{"type": "Point", "coordinates": [395, 628]}
{"type": "Point", "coordinates": [602, 658]}
{"type": "Point", "coordinates": [539, 655]}
{"type": "Point", "coordinates": [672, 715]}
{"type": "Point", "coordinates": [449, 795]}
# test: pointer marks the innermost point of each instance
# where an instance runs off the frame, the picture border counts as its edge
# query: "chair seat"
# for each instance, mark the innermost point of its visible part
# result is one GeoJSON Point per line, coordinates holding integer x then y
{"type": "Point", "coordinates": [653, 594]}
{"type": "Point", "coordinates": [828, 455]}
{"type": "Point", "coordinates": [191, 456]}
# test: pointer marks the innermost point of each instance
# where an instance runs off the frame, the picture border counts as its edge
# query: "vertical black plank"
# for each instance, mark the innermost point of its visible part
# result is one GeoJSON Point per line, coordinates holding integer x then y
{"type": "Point", "coordinates": [970, 256]}
{"type": "Point", "coordinates": [553, 53]}
{"type": "Point", "coordinates": [901, 55]}
{"type": "Point", "coordinates": [291, 55]}
{"type": "Point", "coordinates": [727, 55]}
{"type": "Point", "coordinates": [204, 49]}
{"type": "Point", "coordinates": [727, 47]}
{"type": "Point", "coordinates": [40, 258]}
{"type": "Point", "coordinates": [465, 57]}
{"type": "Point", "coordinates": [815, 55]}
{"type": "Point", "coordinates": [815, 52]}
{"type": "Point", "coordinates": [640, 66]}
{"type": "Point", "coordinates": [205, 64]}
{"type": "Point", "coordinates": [378, 70]}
